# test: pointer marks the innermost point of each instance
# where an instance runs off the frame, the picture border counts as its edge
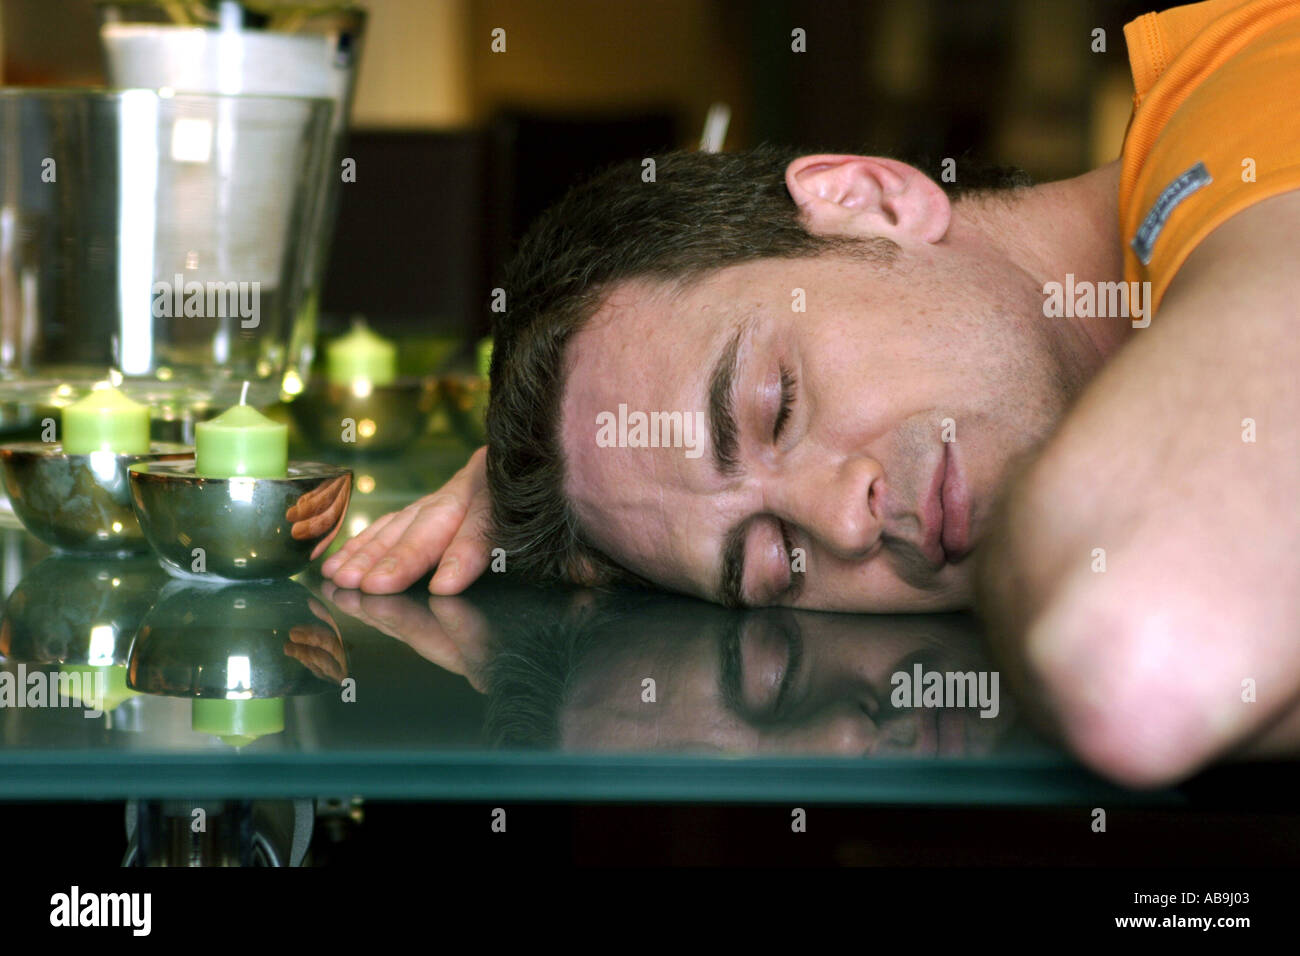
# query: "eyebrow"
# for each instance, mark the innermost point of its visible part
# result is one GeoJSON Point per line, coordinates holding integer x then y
{"type": "Point", "coordinates": [726, 459]}
{"type": "Point", "coordinates": [722, 405]}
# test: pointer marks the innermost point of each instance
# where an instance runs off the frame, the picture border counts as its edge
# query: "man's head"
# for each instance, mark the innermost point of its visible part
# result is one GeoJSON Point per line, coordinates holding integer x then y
{"type": "Point", "coordinates": [865, 355]}
{"type": "Point", "coordinates": [767, 681]}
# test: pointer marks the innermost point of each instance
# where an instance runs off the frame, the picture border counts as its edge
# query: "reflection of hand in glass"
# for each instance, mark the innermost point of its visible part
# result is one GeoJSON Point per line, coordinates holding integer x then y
{"type": "Point", "coordinates": [449, 632]}
{"type": "Point", "coordinates": [319, 510]}
{"type": "Point", "coordinates": [318, 647]}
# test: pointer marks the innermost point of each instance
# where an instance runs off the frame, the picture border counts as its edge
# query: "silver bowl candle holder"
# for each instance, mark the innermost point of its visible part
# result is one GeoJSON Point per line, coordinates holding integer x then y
{"type": "Point", "coordinates": [284, 639]}
{"type": "Point", "coordinates": [74, 617]}
{"type": "Point", "coordinates": [238, 650]}
{"type": "Point", "coordinates": [78, 609]}
{"type": "Point", "coordinates": [239, 528]}
{"type": "Point", "coordinates": [465, 399]}
{"type": "Point", "coordinates": [79, 503]}
{"type": "Point", "coordinates": [362, 417]}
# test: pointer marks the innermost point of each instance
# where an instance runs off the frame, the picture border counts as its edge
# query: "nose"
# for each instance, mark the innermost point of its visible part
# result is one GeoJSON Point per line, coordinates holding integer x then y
{"type": "Point", "coordinates": [844, 726]}
{"type": "Point", "coordinates": [846, 732]}
{"type": "Point", "coordinates": [837, 502]}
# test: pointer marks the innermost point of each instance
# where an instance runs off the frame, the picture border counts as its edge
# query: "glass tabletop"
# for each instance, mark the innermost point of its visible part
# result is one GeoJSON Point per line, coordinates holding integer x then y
{"type": "Point", "coordinates": [118, 680]}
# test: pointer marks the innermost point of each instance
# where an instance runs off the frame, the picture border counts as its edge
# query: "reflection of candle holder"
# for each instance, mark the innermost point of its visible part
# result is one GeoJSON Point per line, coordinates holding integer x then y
{"type": "Point", "coordinates": [465, 399]}
{"type": "Point", "coordinates": [80, 614]}
{"type": "Point", "coordinates": [239, 528]}
{"type": "Point", "coordinates": [366, 417]}
{"type": "Point", "coordinates": [237, 650]}
{"type": "Point", "coordinates": [78, 503]}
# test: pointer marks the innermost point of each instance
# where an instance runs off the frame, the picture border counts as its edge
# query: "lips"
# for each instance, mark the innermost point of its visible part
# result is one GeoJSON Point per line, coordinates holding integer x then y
{"type": "Point", "coordinates": [945, 516]}
{"type": "Point", "coordinates": [955, 498]}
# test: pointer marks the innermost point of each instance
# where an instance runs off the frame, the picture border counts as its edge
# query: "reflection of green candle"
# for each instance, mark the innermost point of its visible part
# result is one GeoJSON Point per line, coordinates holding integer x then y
{"type": "Point", "coordinates": [239, 442]}
{"type": "Point", "coordinates": [114, 687]}
{"type": "Point", "coordinates": [106, 420]}
{"type": "Point", "coordinates": [361, 354]}
{"type": "Point", "coordinates": [238, 722]}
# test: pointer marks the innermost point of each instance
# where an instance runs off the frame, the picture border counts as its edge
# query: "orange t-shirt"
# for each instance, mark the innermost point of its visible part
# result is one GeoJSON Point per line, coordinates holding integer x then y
{"type": "Point", "coordinates": [1215, 126]}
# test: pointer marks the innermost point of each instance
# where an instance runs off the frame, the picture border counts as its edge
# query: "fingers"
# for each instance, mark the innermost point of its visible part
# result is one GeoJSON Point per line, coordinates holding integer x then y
{"type": "Point", "coordinates": [466, 629]}
{"type": "Point", "coordinates": [355, 544]}
{"type": "Point", "coordinates": [313, 501]}
{"type": "Point", "coordinates": [443, 528]}
{"type": "Point", "coordinates": [376, 545]}
{"type": "Point", "coordinates": [317, 660]}
{"type": "Point", "coordinates": [345, 599]}
{"type": "Point", "coordinates": [321, 613]}
{"type": "Point", "coordinates": [324, 511]}
{"type": "Point", "coordinates": [397, 615]}
{"type": "Point", "coordinates": [320, 636]}
{"type": "Point", "coordinates": [334, 517]}
{"type": "Point", "coordinates": [449, 632]}
{"type": "Point", "coordinates": [402, 617]}
{"type": "Point", "coordinates": [467, 556]}
{"type": "Point", "coordinates": [420, 546]}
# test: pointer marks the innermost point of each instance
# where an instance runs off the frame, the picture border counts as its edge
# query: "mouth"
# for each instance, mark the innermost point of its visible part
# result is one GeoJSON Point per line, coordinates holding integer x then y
{"type": "Point", "coordinates": [946, 513]}
{"type": "Point", "coordinates": [956, 510]}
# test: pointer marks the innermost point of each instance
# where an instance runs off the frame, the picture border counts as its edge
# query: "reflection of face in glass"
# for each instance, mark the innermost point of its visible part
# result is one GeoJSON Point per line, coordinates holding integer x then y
{"type": "Point", "coordinates": [778, 681]}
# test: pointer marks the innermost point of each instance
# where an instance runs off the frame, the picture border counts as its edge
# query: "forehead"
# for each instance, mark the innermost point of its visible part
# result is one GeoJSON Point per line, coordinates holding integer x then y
{"type": "Point", "coordinates": [678, 643]}
{"type": "Point", "coordinates": [649, 348]}
{"type": "Point", "coordinates": [645, 341]}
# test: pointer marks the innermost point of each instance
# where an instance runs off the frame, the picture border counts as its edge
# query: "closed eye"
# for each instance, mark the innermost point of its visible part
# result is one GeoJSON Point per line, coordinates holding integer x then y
{"type": "Point", "coordinates": [788, 384]}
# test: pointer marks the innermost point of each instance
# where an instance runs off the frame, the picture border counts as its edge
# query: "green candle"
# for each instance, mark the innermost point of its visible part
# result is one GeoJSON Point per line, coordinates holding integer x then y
{"type": "Point", "coordinates": [238, 722]}
{"type": "Point", "coordinates": [106, 420]}
{"type": "Point", "coordinates": [361, 355]}
{"type": "Point", "coordinates": [484, 355]}
{"type": "Point", "coordinates": [241, 442]}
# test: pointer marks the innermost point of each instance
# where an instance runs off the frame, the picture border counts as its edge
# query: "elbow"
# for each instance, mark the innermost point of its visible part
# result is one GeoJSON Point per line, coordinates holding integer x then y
{"type": "Point", "coordinates": [1116, 676]}
{"type": "Point", "coordinates": [1106, 662]}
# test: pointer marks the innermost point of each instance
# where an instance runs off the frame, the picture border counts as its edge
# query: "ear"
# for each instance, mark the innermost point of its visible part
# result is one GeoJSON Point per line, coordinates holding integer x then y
{"type": "Point", "coordinates": [868, 196]}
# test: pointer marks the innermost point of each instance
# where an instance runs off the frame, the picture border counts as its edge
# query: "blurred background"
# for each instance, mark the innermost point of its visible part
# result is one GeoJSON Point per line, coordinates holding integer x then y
{"type": "Point", "coordinates": [458, 147]}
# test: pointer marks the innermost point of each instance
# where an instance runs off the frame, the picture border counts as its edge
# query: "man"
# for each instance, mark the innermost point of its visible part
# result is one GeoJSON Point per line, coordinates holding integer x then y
{"type": "Point", "coordinates": [887, 379]}
{"type": "Point", "coordinates": [557, 667]}
{"type": "Point", "coordinates": [771, 681]}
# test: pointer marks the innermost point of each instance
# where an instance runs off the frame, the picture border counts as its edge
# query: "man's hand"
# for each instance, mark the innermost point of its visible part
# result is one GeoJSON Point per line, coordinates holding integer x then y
{"type": "Point", "coordinates": [445, 529]}
{"type": "Point", "coordinates": [447, 631]}
{"type": "Point", "coordinates": [318, 647]}
{"type": "Point", "coordinates": [1144, 584]}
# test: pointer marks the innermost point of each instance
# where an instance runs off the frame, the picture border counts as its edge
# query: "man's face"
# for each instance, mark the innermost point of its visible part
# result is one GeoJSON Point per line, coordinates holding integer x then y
{"type": "Point", "coordinates": [839, 464]}
{"type": "Point", "coordinates": [780, 682]}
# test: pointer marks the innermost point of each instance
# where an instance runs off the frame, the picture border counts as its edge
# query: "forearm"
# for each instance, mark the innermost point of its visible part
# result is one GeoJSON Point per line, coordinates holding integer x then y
{"type": "Point", "coordinates": [1145, 565]}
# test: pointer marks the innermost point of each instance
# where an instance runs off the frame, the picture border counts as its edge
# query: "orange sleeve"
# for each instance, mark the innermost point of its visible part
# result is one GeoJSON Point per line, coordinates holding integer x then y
{"type": "Point", "coordinates": [1215, 128]}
